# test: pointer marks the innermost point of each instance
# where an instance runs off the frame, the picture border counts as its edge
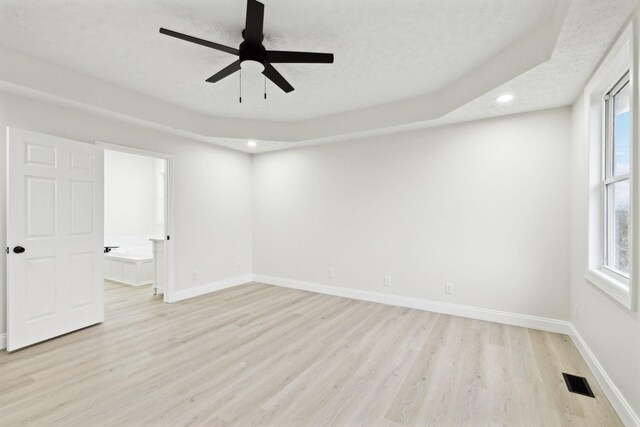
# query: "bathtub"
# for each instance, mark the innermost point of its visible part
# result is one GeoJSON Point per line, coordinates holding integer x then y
{"type": "Point", "coordinates": [132, 266]}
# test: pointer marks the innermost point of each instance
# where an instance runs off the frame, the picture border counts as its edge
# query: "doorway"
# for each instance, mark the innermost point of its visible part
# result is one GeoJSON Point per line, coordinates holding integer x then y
{"type": "Point", "coordinates": [55, 233]}
{"type": "Point", "coordinates": [137, 220]}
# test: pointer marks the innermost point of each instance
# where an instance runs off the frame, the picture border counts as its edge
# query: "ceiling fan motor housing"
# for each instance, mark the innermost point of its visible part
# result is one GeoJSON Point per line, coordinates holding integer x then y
{"type": "Point", "coordinates": [251, 52]}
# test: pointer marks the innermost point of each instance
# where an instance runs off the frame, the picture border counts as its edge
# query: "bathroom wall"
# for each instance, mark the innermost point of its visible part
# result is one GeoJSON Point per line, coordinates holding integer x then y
{"type": "Point", "coordinates": [129, 199]}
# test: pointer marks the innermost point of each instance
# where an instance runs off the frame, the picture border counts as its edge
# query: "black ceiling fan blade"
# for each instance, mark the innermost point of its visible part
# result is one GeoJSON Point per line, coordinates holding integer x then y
{"type": "Point", "coordinates": [226, 71]}
{"type": "Point", "coordinates": [280, 56]}
{"type": "Point", "coordinates": [255, 22]}
{"type": "Point", "coordinates": [202, 42]}
{"type": "Point", "coordinates": [273, 75]}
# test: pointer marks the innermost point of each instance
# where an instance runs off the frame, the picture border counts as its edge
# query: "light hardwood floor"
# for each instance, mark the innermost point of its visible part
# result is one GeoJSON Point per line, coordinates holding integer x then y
{"type": "Point", "coordinates": [262, 355]}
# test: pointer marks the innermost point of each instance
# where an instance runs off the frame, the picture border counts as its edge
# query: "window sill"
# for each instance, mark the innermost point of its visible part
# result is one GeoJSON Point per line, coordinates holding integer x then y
{"type": "Point", "coordinates": [613, 288]}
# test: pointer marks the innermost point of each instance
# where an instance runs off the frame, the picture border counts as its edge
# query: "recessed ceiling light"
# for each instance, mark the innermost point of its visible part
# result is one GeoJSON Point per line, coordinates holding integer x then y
{"type": "Point", "coordinates": [252, 143]}
{"type": "Point", "coordinates": [503, 99]}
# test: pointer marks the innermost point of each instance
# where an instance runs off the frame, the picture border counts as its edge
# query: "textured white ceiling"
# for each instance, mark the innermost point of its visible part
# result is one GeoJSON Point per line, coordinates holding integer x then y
{"type": "Point", "coordinates": [384, 51]}
{"type": "Point", "coordinates": [588, 30]}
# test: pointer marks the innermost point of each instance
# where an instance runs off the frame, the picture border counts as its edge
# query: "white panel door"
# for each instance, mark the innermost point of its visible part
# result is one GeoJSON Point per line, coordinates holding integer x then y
{"type": "Point", "coordinates": [55, 237]}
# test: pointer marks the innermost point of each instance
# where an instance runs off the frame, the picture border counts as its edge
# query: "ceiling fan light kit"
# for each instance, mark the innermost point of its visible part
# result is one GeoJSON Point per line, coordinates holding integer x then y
{"type": "Point", "coordinates": [252, 66]}
{"type": "Point", "coordinates": [253, 56]}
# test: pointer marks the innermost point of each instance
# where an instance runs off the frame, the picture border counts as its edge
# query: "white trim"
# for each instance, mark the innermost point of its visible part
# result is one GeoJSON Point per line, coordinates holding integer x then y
{"type": "Point", "coordinates": [614, 289]}
{"type": "Point", "coordinates": [208, 288]}
{"type": "Point", "coordinates": [507, 318]}
{"type": "Point", "coordinates": [169, 207]}
{"type": "Point", "coordinates": [621, 59]}
{"type": "Point", "coordinates": [132, 150]}
{"type": "Point", "coordinates": [635, 167]}
{"type": "Point", "coordinates": [615, 396]}
{"type": "Point", "coordinates": [619, 403]}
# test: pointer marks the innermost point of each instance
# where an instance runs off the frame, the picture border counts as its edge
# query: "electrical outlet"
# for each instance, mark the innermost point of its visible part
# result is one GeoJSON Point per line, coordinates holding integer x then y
{"type": "Point", "coordinates": [331, 273]}
{"type": "Point", "coordinates": [448, 288]}
{"type": "Point", "coordinates": [194, 276]}
{"type": "Point", "coordinates": [387, 281]}
{"type": "Point", "coordinates": [575, 310]}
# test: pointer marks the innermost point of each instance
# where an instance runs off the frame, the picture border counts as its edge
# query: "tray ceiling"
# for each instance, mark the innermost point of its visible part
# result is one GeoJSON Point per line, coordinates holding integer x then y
{"type": "Point", "coordinates": [398, 65]}
{"type": "Point", "coordinates": [384, 51]}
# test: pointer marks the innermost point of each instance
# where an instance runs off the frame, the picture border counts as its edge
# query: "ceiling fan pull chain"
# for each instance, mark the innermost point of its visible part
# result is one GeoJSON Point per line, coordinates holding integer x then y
{"type": "Point", "coordinates": [265, 87]}
{"type": "Point", "coordinates": [240, 86]}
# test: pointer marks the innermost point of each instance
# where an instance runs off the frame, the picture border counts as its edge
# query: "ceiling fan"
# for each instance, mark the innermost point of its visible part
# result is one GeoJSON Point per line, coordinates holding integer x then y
{"type": "Point", "coordinates": [251, 52]}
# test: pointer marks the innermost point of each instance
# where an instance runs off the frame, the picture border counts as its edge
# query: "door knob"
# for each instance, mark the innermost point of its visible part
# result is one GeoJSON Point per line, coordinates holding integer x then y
{"type": "Point", "coordinates": [18, 249]}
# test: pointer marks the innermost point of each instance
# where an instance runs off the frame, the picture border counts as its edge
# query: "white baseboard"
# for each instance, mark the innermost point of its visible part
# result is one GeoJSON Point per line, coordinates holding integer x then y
{"type": "Point", "coordinates": [209, 287]}
{"type": "Point", "coordinates": [619, 403]}
{"type": "Point", "coordinates": [133, 285]}
{"type": "Point", "coordinates": [515, 319]}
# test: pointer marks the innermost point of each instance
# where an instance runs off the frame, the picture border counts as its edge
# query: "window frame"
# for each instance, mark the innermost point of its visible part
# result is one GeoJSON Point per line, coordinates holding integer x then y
{"type": "Point", "coordinates": [619, 62]}
{"type": "Point", "coordinates": [609, 179]}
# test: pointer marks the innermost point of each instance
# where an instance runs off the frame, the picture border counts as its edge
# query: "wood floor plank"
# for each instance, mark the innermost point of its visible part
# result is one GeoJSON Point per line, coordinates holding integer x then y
{"type": "Point", "coordinates": [258, 355]}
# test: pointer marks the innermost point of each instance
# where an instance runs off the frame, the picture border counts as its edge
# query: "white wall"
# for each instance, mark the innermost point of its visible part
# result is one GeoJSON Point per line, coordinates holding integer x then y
{"type": "Point", "coordinates": [212, 224]}
{"type": "Point", "coordinates": [129, 190]}
{"type": "Point", "coordinates": [483, 205]}
{"type": "Point", "coordinates": [611, 331]}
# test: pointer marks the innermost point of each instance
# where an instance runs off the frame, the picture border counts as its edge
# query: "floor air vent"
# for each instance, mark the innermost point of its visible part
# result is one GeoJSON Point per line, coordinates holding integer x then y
{"type": "Point", "coordinates": [577, 384]}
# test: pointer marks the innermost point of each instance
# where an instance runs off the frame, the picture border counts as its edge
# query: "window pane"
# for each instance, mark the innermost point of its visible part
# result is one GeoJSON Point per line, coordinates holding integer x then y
{"type": "Point", "coordinates": [621, 130]}
{"type": "Point", "coordinates": [618, 233]}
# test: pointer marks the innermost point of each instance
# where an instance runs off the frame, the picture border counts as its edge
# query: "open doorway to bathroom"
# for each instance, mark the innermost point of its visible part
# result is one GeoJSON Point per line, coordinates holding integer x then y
{"type": "Point", "coordinates": [135, 223]}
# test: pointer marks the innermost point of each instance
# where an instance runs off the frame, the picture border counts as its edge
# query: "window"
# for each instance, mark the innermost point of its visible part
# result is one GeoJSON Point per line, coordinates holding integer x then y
{"type": "Point", "coordinates": [612, 133]}
{"type": "Point", "coordinates": [616, 182]}
{"type": "Point", "coordinates": [610, 218]}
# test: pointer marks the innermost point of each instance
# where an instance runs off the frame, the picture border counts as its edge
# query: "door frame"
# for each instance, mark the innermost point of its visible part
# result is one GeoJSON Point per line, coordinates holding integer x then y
{"type": "Point", "coordinates": [168, 207]}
